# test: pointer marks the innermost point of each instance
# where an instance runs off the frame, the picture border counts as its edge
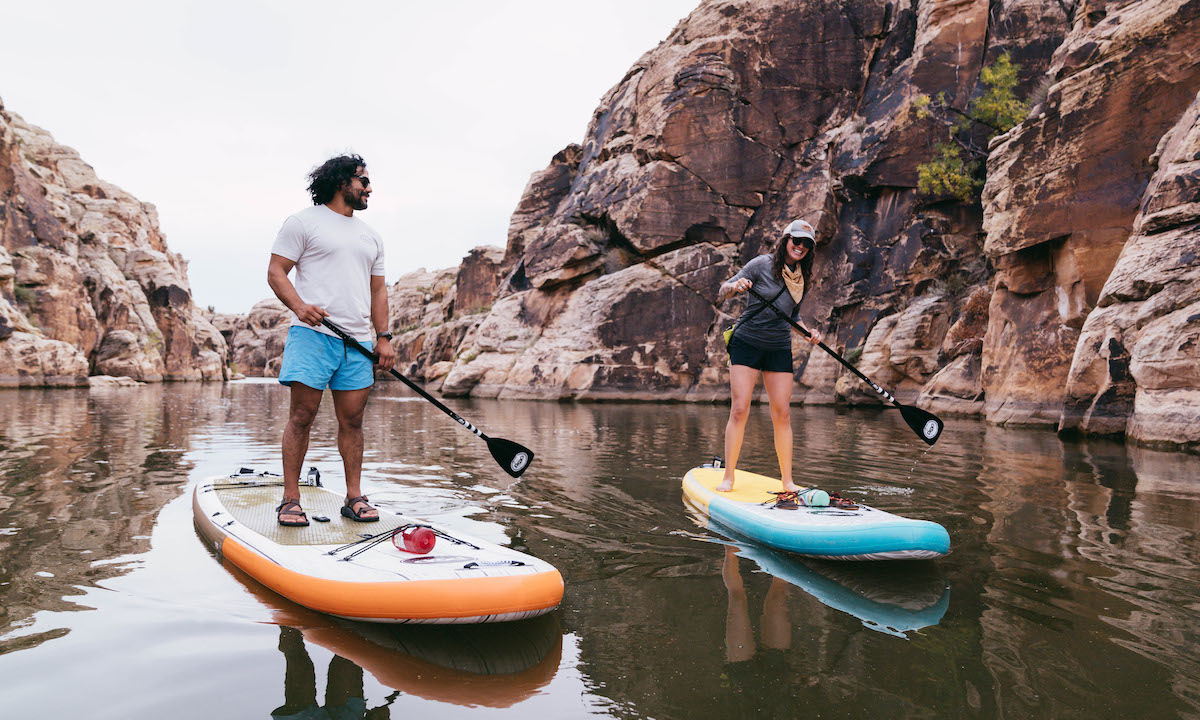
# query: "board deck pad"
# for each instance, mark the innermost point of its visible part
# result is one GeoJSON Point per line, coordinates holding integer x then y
{"type": "Point", "coordinates": [748, 487]}
{"type": "Point", "coordinates": [254, 506]}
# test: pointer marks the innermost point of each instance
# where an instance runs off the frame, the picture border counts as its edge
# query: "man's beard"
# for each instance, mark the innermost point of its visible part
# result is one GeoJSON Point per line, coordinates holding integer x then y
{"type": "Point", "coordinates": [357, 202]}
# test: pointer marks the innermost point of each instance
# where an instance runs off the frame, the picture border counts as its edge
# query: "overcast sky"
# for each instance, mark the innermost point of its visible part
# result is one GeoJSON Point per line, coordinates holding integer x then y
{"type": "Point", "coordinates": [215, 111]}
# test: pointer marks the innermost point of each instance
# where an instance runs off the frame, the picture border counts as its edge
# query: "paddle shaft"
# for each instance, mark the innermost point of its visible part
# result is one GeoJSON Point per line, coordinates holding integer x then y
{"type": "Point", "coordinates": [883, 393]}
{"type": "Point", "coordinates": [411, 385]}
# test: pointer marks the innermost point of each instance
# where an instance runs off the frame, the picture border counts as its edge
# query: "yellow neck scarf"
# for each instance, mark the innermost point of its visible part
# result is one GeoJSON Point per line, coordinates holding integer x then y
{"type": "Point", "coordinates": [794, 279]}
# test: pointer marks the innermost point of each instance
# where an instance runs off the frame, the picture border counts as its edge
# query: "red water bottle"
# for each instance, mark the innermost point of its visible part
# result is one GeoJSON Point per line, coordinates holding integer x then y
{"type": "Point", "coordinates": [418, 540]}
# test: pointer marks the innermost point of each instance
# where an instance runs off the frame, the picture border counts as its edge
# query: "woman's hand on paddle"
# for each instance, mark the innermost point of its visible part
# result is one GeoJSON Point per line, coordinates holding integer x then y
{"type": "Point", "coordinates": [387, 354]}
{"type": "Point", "coordinates": [814, 337]}
{"type": "Point", "coordinates": [310, 314]}
{"type": "Point", "coordinates": [739, 286]}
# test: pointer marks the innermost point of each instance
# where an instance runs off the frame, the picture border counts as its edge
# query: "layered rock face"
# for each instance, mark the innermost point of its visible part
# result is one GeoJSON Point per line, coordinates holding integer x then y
{"type": "Point", "coordinates": [87, 283]}
{"type": "Point", "coordinates": [1065, 298]}
{"type": "Point", "coordinates": [1068, 192]}
{"type": "Point", "coordinates": [751, 114]}
{"type": "Point", "coordinates": [1136, 369]}
{"type": "Point", "coordinates": [256, 340]}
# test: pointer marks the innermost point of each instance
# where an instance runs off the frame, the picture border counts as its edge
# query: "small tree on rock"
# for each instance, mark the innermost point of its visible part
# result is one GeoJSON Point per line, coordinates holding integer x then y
{"type": "Point", "coordinates": [955, 168]}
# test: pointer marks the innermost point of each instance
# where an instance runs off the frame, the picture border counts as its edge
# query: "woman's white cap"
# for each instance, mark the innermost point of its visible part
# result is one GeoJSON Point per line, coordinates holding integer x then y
{"type": "Point", "coordinates": [800, 228]}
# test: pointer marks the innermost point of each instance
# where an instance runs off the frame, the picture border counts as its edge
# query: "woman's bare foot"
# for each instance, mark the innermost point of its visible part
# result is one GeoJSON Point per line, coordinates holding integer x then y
{"type": "Point", "coordinates": [726, 484]}
{"type": "Point", "coordinates": [789, 486]}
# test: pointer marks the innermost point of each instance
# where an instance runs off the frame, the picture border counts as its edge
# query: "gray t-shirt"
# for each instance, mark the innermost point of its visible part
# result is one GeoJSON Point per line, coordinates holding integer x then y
{"type": "Point", "coordinates": [763, 327]}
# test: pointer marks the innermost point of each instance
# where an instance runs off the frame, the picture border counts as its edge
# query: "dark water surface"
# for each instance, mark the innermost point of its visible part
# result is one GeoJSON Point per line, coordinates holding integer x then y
{"type": "Point", "coordinates": [1073, 587]}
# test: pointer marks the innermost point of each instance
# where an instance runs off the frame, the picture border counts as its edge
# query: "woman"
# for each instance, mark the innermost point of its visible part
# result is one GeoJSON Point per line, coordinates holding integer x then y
{"type": "Point", "coordinates": [762, 342]}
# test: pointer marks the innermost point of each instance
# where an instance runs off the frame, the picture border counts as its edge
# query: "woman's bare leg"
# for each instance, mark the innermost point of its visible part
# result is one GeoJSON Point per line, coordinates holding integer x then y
{"type": "Point", "coordinates": [742, 380]}
{"type": "Point", "coordinates": [779, 395]}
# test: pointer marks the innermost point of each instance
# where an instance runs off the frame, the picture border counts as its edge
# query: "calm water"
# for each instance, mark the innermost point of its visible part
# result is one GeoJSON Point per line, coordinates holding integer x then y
{"type": "Point", "coordinates": [1073, 588]}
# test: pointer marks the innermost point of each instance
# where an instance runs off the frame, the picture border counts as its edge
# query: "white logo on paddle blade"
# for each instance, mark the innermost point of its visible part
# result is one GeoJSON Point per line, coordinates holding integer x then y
{"type": "Point", "coordinates": [519, 462]}
{"type": "Point", "coordinates": [931, 429]}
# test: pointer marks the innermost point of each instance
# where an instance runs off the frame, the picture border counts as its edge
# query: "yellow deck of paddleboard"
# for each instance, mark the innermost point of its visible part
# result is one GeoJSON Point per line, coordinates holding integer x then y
{"type": "Point", "coordinates": [748, 487]}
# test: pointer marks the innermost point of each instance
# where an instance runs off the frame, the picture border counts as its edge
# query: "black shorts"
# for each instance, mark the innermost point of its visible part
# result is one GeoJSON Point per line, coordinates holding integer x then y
{"type": "Point", "coordinates": [744, 353]}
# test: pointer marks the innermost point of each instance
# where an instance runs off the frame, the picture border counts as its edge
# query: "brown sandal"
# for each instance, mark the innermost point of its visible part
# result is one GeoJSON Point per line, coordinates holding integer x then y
{"type": "Point", "coordinates": [356, 515]}
{"type": "Point", "coordinates": [837, 501]}
{"type": "Point", "coordinates": [290, 507]}
{"type": "Point", "coordinates": [786, 499]}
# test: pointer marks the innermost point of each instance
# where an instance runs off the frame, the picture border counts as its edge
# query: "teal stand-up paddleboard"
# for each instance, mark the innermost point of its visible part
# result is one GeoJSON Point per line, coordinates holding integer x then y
{"type": "Point", "coordinates": [833, 533]}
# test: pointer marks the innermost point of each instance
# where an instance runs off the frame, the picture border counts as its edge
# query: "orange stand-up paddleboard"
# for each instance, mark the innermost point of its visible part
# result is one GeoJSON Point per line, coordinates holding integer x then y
{"type": "Point", "coordinates": [369, 571]}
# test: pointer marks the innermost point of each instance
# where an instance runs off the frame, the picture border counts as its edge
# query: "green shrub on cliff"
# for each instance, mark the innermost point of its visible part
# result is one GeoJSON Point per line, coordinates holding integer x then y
{"type": "Point", "coordinates": [954, 169]}
{"type": "Point", "coordinates": [24, 296]}
{"type": "Point", "coordinates": [998, 106]}
{"type": "Point", "coordinates": [948, 174]}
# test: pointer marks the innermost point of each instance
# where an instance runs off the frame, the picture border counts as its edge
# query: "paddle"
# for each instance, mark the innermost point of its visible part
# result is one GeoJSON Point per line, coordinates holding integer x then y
{"type": "Point", "coordinates": [513, 458]}
{"type": "Point", "coordinates": [925, 424]}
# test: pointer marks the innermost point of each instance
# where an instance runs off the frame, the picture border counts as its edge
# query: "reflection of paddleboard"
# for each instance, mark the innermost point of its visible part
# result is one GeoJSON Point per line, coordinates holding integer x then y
{"type": "Point", "coordinates": [862, 533]}
{"type": "Point", "coordinates": [887, 598]}
{"type": "Point", "coordinates": [490, 665]}
{"type": "Point", "coordinates": [353, 570]}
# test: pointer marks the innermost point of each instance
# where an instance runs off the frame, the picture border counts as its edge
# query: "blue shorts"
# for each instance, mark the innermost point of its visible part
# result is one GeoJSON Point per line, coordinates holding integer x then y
{"type": "Point", "coordinates": [318, 360]}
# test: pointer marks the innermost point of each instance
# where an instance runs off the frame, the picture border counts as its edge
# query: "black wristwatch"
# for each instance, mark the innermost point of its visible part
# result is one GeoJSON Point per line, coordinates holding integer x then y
{"type": "Point", "coordinates": [384, 335]}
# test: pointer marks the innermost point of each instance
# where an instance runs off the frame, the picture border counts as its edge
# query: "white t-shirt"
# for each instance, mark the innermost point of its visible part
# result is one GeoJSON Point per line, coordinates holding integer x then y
{"type": "Point", "coordinates": [335, 258]}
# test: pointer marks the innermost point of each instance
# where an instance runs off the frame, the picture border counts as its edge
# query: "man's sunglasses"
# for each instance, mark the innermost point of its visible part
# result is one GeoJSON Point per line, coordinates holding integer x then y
{"type": "Point", "coordinates": [363, 179]}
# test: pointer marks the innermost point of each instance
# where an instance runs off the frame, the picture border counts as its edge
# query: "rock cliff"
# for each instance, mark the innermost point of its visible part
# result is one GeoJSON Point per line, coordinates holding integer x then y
{"type": "Point", "coordinates": [87, 283]}
{"type": "Point", "coordinates": [1066, 297]}
{"type": "Point", "coordinates": [1071, 190]}
{"type": "Point", "coordinates": [750, 114]}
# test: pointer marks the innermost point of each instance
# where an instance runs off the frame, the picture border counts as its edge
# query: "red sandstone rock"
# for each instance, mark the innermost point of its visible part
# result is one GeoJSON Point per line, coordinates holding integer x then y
{"type": "Point", "coordinates": [1064, 188]}
{"type": "Point", "coordinates": [1136, 370]}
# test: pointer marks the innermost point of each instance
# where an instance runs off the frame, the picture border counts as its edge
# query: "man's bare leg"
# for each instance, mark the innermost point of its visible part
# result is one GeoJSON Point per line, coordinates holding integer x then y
{"type": "Point", "coordinates": [302, 411]}
{"type": "Point", "coordinates": [349, 406]}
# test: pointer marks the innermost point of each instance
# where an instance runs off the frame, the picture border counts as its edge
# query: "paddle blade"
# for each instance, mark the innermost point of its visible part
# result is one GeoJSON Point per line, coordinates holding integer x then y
{"type": "Point", "coordinates": [925, 424]}
{"type": "Point", "coordinates": [514, 458]}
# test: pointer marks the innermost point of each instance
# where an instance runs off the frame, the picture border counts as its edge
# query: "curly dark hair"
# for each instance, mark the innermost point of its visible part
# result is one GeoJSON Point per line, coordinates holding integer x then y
{"type": "Point", "coordinates": [325, 180]}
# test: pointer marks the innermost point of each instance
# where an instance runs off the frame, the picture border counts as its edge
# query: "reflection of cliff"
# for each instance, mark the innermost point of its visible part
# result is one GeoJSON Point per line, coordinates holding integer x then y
{"type": "Point", "coordinates": [83, 476]}
{"type": "Point", "coordinates": [1114, 546]}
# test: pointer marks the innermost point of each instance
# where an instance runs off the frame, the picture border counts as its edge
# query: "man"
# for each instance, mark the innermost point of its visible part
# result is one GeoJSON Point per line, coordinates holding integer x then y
{"type": "Point", "coordinates": [339, 275]}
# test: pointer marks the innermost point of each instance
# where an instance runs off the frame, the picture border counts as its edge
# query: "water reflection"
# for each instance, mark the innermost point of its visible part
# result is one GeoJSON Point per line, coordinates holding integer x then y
{"type": "Point", "coordinates": [891, 598]}
{"type": "Point", "coordinates": [1091, 574]}
{"type": "Point", "coordinates": [343, 688]}
{"type": "Point", "coordinates": [491, 666]}
{"type": "Point", "coordinates": [83, 476]}
{"type": "Point", "coordinates": [1075, 567]}
{"type": "Point", "coordinates": [739, 634]}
